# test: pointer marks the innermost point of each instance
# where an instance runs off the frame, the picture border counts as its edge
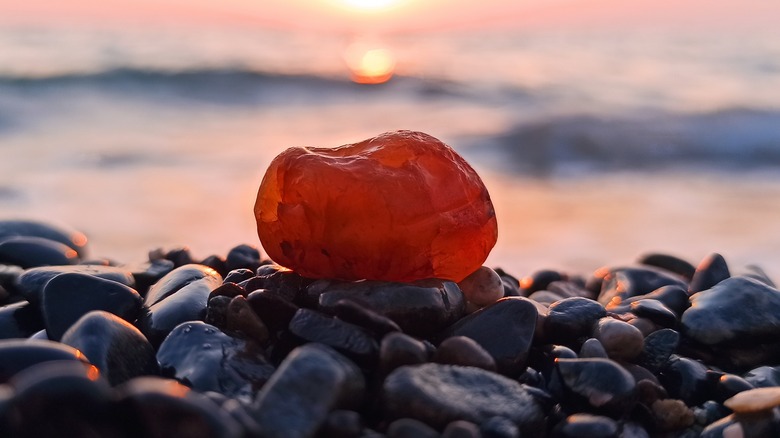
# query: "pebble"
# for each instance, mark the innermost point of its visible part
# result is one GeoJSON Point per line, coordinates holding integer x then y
{"type": "Point", "coordinates": [421, 308]}
{"type": "Point", "coordinates": [351, 340]}
{"type": "Point", "coordinates": [69, 296]}
{"type": "Point", "coordinates": [687, 380]}
{"type": "Point", "coordinates": [410, 428]}
{"type": "Point", "coordinates": [505, 329]}
{"type": "Point", "coordinates": [461, 429]}
{"type": "Point", "coordinates": [31, 282]}
{"type": "Point", "coordinates": [19, 320]}
{"type": "Point", "coordinates": [72, 238]}
{"type": "Point", "coordinates": [241, 319]}
{"type": "Point", "coordinates": [539, 280]}
{"type": "Point", "coordinates": [148, 273]}
{"type": "Point", "coordinates": [658, 348]}
{"type": "Point", "coordinates": [179, 297]}
{"type": "Point", "coordinates": [668, 262]}
{"type": "Point", "coordinates": [460, 350]}
{"type": "Point", "coordinates": [275, 311]}
{"type": "Point", "coordinates": [482, 287]}
{"type": "Point", "coordinates": [350, 311]}
{"type": "Point", "coordinates": [118, 350]}
{"type": "Point", "coordinates": [626, 282]}
{"type": "Point", "coordinates": [499, 427]}
{"type": "Point", "coordinates": [571, 319]}
{"type": "Point", "coordinates": [655, 311]}
{"type": "Point", "coordinates": [157, 408]}
{"type": "Point", "coordinates": [737, 309]}
{"type": "Point", "coordinates": [61, 398]}
{"type": "Point", "coordinates": [754, 400]}
{"type": "Point", "coordinates": [620, 340]}
{"type": "Point", "coordinates": [439, 394]}
{"type": "Point", "coordinates": [598, 385]}
{"type": "Point", "coordinates": [19, 354]}
{"type": "Point", "coordinates": [586, 425]}
{"type": "Point", "coordinates": [312, 381]}
{"type": "Point", "coordinates": [671, 414]}
{"type": "Point", "coordinates": [398, 349]}
{"type": "Point", "coordinates": [592, 348]}
{"type": "Point", "coordinates": [209, 360]}
{"type": "Point", "coordinates": [711, 271]}
{"type": "Point", "coordinates": [30, 252]}
{"type": "Point", "coordinates": [243, 256]}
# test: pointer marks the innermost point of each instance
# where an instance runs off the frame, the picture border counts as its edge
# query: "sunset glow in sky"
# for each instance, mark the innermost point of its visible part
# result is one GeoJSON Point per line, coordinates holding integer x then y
{"type": "Point", "coordinates": [401, 15]}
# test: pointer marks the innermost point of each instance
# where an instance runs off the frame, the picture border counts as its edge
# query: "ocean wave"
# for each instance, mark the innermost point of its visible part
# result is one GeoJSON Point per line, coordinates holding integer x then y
{"type": "Point", "coordinates": [732, 139]}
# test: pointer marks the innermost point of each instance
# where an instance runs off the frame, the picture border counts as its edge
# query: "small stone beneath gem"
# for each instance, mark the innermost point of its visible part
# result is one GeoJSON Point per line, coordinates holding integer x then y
{"type": "Point", "coordinates": [482, 287]}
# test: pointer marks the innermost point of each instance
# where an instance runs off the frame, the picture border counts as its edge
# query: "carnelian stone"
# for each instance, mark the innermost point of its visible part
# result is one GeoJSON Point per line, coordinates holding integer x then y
{"type": "Point", "coordinates": [401, 206]}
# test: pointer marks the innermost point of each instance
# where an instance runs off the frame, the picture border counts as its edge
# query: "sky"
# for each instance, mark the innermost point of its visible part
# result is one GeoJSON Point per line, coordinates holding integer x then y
{"type": "Point", "coordinates": [402, 16]}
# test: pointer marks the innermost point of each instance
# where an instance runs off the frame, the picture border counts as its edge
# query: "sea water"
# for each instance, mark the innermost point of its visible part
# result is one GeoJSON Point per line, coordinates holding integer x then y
{"type": "Point", "coordinates": [596, 147]}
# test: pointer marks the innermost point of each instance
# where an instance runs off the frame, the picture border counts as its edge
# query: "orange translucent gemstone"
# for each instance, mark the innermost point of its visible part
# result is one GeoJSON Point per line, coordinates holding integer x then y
{"type": "Point", "coordinates": [401, 206]}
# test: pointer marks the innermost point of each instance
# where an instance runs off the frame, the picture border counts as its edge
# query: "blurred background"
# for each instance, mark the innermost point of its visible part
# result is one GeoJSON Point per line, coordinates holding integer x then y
{"type": "Point", "coordinates": [603, 129]}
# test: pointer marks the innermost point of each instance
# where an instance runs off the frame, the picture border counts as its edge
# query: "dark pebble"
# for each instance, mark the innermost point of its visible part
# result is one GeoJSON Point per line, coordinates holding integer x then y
{"type": "Point", "coordinates": [341, 423]}
{"type": "Point", "coordinates": [351, 340]}
{"type": "Point", "coordinates": [586, 425]}
{"type": "Point", "coordinates": [61, 399]}
{"type": "Point", "coordinates": [655, 311]}
{"type": "Point", "coordinates": [545, 297]}
{"type": "Point", "coordinates": [228, 289]}
{"type": "Point", "coordinates": [739, 309]}
{"type": "Point", "coordinates": [658, 348]}
{"type": "Point", "coordinates": [669, 263]}
{"type": "Point", "coordinates": [241, 319]}
{"type": "Point", "coordinates": [539, 280]}
{"type": "Point", "coordinates": [275, 311]}
{"type": "Point", "coordinates": [499, 427]}
{"type": "Point", "coordinates": [162, 408]}
{"type": "Point", "coordinates": [440, 394]}
{"type": "Point", "coordinates": [763, 376]}
{"type": "Point", "coordinates": [280, 281]}
{"type": "Point", "coordinates": [31, 252]}
{"type": "Point", "coordinates": [626, 282]}
{"type": "Point", "coordinates": [600, 386]}
{"type": "Point", "coordinates": [505, 329]}
{"type": "Point", "coordinates": [216, 311]}
{"type": "Point", "coordinates": [210, 360]}
{"type": "Point", "coordinates": [621, 340]}
{"type": "Point", "coordinates": [19, 320]}
{"type": "Point", "coordinates": [69, 296]}
{"type": "Point", "coordinates": [410, 428]}
{"type": "Point", "coordinates": [113, 345]}
{"type": "Point", "coordinates": [243, 256]}
{"type": "Point", "coordinates": [674, 297]}
{"type": "Point", "coordinates": [730, 385]}
{"type": "Point", "coordinates": [571, 319]}
{"type": "Point", "coordinates": [398, 349]}
{"type": "Point", "coordinates": [72, 238]}
{"type": "Point", "coordinates": [461, 350]}
{"type": "Point", "coordinates": [350, 311]}
{"type": "Point", "coordinates": [592, 348]}
{"type": "Point", "coordinates": [420, 309]}
{"type": "Point", "coordinates": [461, 429]}
{"type": "Point", "coordinates": [183, 277]}
{"type": "Point", "coordinates": [148, 273]}
{"type": "Point", "coordinates": [239, 275]}
{"type": "Point", "coordinates": [216, 263]}
{"type": "Point", "coordinates": [19, 354]}
{"type": "Point", "coordinates": [179, 297]}
{"type": "Point", "coordinates": [711, 271]}
{"type": "Point", "coordinates": [687, 380]}
{"type": "Point", "coordinates": [312, 381]}
{"type": "Point", "coordinates": [179, 256]}
{"type": "Point", "coordinates": [30, 283]}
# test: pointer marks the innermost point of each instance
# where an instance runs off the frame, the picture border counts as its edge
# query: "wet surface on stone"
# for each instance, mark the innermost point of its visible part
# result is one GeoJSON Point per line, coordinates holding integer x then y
{"type": "Point", "coordinates": [622, 283]}
{"type": "Point", "coordinates": [72, 238]}
{"type": "Point", "coordinates": [209, 360]}
{"type": "Point", "coordinates": [711, 271]}
{"type": "Point", "coordinates": [598, 385]}
{"type": "Point", "coordinates": [17, 355]}
{"type": "Point", "coordinates": [572, 318]}
{"type": "Point", "coordinates": [19, 320]}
